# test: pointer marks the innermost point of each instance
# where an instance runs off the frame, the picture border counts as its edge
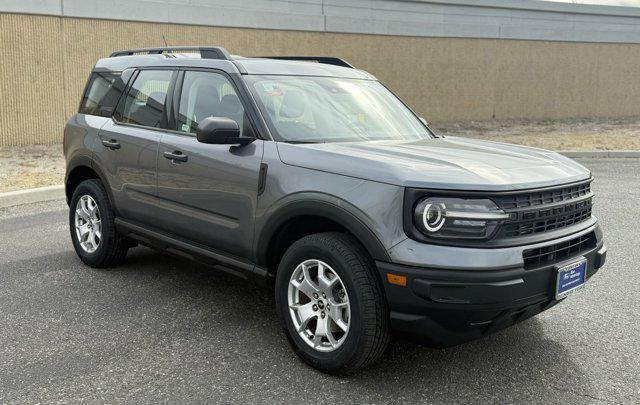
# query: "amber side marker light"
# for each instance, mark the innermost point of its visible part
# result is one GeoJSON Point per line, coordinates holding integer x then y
{"type": "Point", "coordinates": [397, 279]}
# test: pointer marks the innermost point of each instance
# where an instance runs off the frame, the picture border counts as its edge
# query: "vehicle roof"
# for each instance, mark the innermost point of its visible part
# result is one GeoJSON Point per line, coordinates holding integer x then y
{"type": "Point", "coordinates": [237, 64]}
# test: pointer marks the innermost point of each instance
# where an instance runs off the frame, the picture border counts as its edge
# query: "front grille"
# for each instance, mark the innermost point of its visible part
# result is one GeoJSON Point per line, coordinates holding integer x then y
{"type": "Point", "coordinates": [543, 223]}
{"type": "Point", "coordinates": [558, 251]}
{"type": "Point", "coordinates": [544, 210]}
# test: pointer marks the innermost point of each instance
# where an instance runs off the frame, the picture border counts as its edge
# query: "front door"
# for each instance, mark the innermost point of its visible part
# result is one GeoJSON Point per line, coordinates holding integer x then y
{"type": "Point", "coordinates": [208, 192]}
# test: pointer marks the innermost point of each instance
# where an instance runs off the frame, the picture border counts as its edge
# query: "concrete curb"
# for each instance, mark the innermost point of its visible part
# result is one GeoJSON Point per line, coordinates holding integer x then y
{"type": "Point", "coordinates": [602, 154]}
{"type": "Point", "coordinates": [32, 195]}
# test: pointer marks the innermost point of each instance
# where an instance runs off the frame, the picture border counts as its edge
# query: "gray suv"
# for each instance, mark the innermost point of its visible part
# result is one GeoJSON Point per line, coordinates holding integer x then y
{"type": "Point", "coordinates": [310, 177]}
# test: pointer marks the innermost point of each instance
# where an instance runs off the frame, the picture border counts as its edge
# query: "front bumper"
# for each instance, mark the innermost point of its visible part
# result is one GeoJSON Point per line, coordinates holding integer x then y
{"type": "Point", "coordinates": [449, 306]}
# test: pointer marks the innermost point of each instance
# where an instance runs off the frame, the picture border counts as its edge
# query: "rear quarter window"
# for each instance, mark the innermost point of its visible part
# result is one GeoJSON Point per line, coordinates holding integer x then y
{"type": "Point", "coordinates": [102, 94]}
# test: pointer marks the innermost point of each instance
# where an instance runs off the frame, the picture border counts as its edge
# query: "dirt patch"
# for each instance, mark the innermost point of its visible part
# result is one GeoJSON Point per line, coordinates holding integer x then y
{"type": "Point", "coordinates": [30, 167]}
{"type": "Point", "coordinates": [565, 135]}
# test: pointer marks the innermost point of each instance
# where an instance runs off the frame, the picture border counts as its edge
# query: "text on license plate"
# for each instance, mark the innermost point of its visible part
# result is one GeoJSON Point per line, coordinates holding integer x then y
{"type": "Point", "coordinates": [571, 277]}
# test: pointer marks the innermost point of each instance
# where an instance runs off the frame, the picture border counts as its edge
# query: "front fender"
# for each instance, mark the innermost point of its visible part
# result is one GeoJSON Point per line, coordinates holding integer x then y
{"type": "Point", "coordinates": [322, 205]}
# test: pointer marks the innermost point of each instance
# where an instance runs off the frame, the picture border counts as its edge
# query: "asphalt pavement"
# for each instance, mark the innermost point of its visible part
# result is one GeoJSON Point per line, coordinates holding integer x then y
{"type": "Point", "coordinates": [162, 330]}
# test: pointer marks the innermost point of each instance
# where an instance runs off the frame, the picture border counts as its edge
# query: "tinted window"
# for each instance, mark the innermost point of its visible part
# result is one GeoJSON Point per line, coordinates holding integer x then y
{"type": "Point", "coordinates": [206, 94]}
{"type": "Point", "coordinates": [103, 92]}
{"type": "Point", "coordinates": [144, 103]}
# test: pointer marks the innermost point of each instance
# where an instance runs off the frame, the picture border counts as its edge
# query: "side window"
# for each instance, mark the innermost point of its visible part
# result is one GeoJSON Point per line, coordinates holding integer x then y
{"type": "Point", "coordinates": [144, 103]}
{"type": "Point", "coordinates": [102, 94]}
{"type": "Point", "coordinates": [206, 94]}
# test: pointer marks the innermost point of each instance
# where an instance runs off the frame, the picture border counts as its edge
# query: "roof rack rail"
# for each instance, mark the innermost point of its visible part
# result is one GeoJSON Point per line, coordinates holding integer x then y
{"type": "Point", "coordinates": [206, 52]}
{"type": "Point", "coordinates": [327, 60]}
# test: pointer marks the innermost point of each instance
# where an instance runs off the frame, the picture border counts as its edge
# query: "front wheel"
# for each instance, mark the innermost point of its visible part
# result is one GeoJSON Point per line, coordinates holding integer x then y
{"type": "Point", "coordinates": [331, 304]}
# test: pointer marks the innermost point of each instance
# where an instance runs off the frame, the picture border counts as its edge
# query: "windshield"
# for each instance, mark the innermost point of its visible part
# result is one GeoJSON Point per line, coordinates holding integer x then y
{"type": "Point", "coordinates": [329, 109]}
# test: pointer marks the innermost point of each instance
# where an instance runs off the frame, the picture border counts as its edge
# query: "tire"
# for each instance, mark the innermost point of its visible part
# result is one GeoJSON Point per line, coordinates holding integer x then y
{"type": "Point", "coordinates": [367, 333]}
{"type": "Point", "coordinates": [110, 248]}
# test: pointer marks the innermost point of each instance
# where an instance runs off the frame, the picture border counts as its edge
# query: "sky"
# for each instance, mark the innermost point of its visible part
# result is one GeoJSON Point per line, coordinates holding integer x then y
{"type": "Point", "coordinates": [632, 3]}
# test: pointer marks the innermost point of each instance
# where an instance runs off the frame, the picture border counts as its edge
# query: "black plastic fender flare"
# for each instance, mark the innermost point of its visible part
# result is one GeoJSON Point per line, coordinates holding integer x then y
{"type": "Point", "coordinates": [335, 210]}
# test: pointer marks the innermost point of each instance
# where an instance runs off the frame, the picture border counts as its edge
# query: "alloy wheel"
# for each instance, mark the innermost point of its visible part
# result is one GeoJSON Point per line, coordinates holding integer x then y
{"type": "Point", "coordinates": [319, 305]}
{"type": "Point", "coordinates": [88, 224]}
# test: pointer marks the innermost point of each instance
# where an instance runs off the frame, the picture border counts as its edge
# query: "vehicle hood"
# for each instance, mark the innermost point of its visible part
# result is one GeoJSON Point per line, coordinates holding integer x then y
{"type": "Point", "coordinates": [444, 163]}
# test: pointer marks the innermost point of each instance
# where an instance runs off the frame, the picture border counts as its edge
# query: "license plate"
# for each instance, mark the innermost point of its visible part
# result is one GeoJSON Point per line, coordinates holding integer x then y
{"type": "Point", "coordinates": [571, 277]}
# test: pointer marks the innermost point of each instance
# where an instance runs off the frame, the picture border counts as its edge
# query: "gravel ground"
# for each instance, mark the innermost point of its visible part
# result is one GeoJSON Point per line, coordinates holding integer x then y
{"type": "Point", "coordinates": [43, 165]}
{"type": "Point", "coordinates": [564, 135]}
{"type": "Point", "coordinates": [162, 330]}
{"type": "Point", "coordinates": [30, 167]}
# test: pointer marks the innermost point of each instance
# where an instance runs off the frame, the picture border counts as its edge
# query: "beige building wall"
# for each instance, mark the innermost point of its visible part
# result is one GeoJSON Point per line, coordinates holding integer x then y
{"type": "Point", "coordinates": [46, 61]}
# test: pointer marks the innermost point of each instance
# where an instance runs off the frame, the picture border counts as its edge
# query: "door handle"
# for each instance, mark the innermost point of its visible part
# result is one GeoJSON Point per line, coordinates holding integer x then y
{"type": "Point", "coordinates": [176, 156]}
{"type": "Point", "coordinates": [111, 144]}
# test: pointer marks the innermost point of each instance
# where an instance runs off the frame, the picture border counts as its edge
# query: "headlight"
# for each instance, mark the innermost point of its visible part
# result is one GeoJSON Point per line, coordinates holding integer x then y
{"type": "Point", "coordinates": [458, 218]}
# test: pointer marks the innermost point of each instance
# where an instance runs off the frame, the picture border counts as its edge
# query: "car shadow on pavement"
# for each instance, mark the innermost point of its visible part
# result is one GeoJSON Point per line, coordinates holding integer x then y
{"type": "Point", "coordinates": [513, 365]}
{"type": "Point", "coordinates": [516, 363]}
{"type": "Point", "coordinates": [181, 318]}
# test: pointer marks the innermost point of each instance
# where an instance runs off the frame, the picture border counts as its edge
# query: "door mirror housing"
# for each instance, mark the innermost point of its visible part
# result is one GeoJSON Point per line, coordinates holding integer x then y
{"type": "Point", "coordinates": [220, 131]}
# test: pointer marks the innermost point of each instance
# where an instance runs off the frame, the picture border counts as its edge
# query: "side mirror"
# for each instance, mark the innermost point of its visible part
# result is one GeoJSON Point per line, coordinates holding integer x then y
{"type": "Point", "coordinates": [220, 131]}
{"type": "Point", "coordinates": [424, 121]}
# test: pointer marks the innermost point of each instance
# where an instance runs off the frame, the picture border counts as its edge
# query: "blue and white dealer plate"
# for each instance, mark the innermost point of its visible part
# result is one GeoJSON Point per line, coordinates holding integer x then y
{"type": "Point", "coordinates": [571, 277]}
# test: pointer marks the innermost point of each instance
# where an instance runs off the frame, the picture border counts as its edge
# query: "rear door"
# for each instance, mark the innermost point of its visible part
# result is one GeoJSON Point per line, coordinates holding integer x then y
{"type": "Point", "coordinates": [208, 192]}
{"type": "Point", "coordinates": [130, 144]}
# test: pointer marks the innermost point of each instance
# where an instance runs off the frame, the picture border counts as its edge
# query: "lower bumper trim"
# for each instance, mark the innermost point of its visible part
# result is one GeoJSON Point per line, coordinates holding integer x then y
{"type": "Point", "coordinates": [448, 307]}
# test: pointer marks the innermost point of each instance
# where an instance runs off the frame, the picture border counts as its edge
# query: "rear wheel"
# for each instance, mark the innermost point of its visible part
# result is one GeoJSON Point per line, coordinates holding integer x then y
{"type": "Point", "coordinates": [91, 222]}
{"type": "Point", "coordinates": [331, 304]}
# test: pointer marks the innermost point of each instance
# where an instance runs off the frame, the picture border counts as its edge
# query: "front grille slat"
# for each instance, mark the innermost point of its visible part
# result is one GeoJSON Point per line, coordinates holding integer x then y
{"type": "Point", "coordinates": [558, 251]}
{"type": "Point", "coordinates": [521, 228]}
{"type": "Point", "coordinates": [543, 197]}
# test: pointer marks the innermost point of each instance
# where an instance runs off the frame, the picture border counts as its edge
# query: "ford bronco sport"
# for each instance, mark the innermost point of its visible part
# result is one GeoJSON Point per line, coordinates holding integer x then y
{"type": "Point", "coordinates": [309, 176]}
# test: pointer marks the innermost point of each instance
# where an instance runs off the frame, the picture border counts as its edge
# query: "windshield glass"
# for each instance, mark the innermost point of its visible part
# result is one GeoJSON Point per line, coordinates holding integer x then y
{"type": "Point", "coordinates": [329, 109]}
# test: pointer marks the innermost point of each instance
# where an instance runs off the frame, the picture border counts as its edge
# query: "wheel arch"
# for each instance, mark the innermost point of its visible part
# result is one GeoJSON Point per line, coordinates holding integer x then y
{"type": "Point", "coordinates": [82, 168]}
{"type": "Point", "coordinates": [325, 216]}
